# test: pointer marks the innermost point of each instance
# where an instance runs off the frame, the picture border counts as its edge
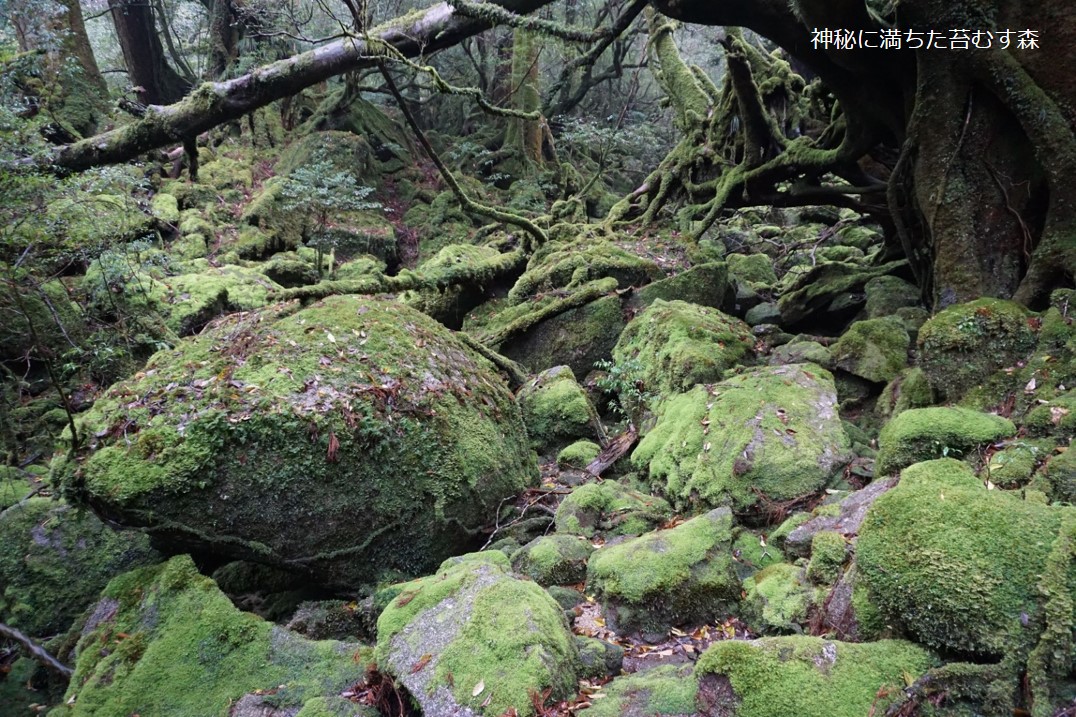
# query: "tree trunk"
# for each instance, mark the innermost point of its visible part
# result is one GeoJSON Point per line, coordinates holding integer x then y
{"type": "Point", "coordinates": [223, 37]}
{"type": "Point", "coordinates": [525, 136]}
{"type": "Point", "coordinates": [153, 79]}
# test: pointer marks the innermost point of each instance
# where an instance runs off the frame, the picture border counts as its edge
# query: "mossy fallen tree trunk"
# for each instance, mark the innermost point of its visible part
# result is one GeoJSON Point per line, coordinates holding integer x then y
{"type": "Point", "coordinates": [214, 103]}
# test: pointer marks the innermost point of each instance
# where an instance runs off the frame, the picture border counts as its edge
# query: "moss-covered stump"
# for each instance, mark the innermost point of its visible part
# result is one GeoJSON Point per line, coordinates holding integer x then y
{"type": "Point", "coordinates": [875, 349]}
{"type": "Point", "coordinates": [920, 434]}
{"type": "Point", "coordinates": [668, 577]}
{"type": "Point", "coordinates": [779, 599]}
{"type": "Point", "coordinates": [474, 640]}
{"type": "Point", "coordinates": [805, 676]}
{"type": "Point", "coordinates": [266, 435]}
{"type": "Point", "coordinates": [54, 560]}
{"type": "Point", "coordinates": [962, 345]}
{"type": "Point", "coordinates": [577, 338]}
{"type": "Point", "coordinates": [888, 294]}
{"type": "Point", "coordinates": [609, 509]}
{"type": "Point", "coordinates": [165, 641]}
{"type": "Point", "coordinates": [769, 434]}
{"type": "Point", "coordinates": [554, 559]}
{"type": "Point", "coordinates": [679, 345]}
{"type": "Point", "coordinates": [663, 691]}
{"type": "Point", "coordinates": [556, 410]}
{"type": "Point", "coordinates": [958, 566]}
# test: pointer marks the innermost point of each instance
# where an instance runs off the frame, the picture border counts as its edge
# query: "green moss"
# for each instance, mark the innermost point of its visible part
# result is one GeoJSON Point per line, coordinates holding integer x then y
{"type": "Point", "coordinates": [1013, 465]}
{"type": "Point", "coordinates": [55, 559]}
{"type": "Point", "coordinates": [489, 628]}
{"type": "Point", "coordinates": [800, 351]}
{"type": "Point", "coordinates": [755, 269]}
{"type": "Point", "coordinates": [165, 207]}
{"type": "Point", "coordinates": [829, 550]}
{"type": "Point", "coordinates": [565, 266]}
{"type": "Point", "coordinates": [910, 389]}
{"type": "Point", "coordinates": [578, 454]}
{"type": "Point", "coordinates": [920, 434]}
{"type": "Point", "coordinates": [1060, 474]}
{"type": "Point", "coordinates": [556, 409]}
{"type": "Point", "coordinates": [778, 599]}
{"type": "Point", "coordinates": [225, 173]}
{"type": "Point", "coordinates": [964, 344]}
{"type": "Point", "coordinates": [887, 294]}
{"type": "Point", "coordinates": [577, 338]}
{"type": "Point", "coordinates": [811, 677]}
{"type": "Point", "coordinates": [816, 289]}
{"type": "Point", "coordinates": [705, 285]}
{"type": "Point", "coordinates": [768, 433]}
{"type": "Point", "coordinates": [753, 552]}
{"type": "Point", "coordinates": [955, 565]}
{"type": "Point", "coordinates": [554, 559]}
{"type": "Point", "coordinates": [1055, 418]}
{"type": "Point", "coordinates": [610, 509]}
{"type": "Point", "coordinates": [238, 437]}
{"type": "Point", "coordinates": [57, 321]}
{"type": "Point", "coordinates": [169, 620]}
{"type": "Point", "coordinates": [668, 577]}
{"type": "Point", "coordinates": [875, 349]}
{"type": "Point", "coordinates": [662, 690]}
{"type": "Point", "coordinates": [680, 344]}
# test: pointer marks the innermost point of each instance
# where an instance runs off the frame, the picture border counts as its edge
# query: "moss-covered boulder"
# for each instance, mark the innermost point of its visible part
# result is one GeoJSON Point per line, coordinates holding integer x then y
{"type": "Point", "coordinates": [165, 641]}
{"type": "Point", "coordinates": [265, 436]}
{"type": "Point", "coordinates": [566, 266]}
{"type": "Point", "coordinates": [770, 433]}
{"type": "Point", "coordinates": [578, 455]}
{"type": "Point", "coordinates": [887, 294]}
{"type": "Point", "coordinates": [814, 291]}
{"type": "Point", "coordinates": [679, 345]}
{"type": "Point", "coordinates": [668, 577]}
{"type": "Point", "coordinates": [805, 676]}
{"type": "Point", "coordinates": [609, 509]}
{"type": "Point", "coordinates": [963, 344]}
{"type": "Point", "coordinates": [875, 349]}
{"type": "Point", "coordinates": [779, 599]}
{"type": "Point", "coordinates": [910, 389]}
{"type": "Point", "coordinates": [472, 639]}
{"type": "Point", "coordinates": [451, 304]}
{"type": "Point", "coordinates": [704, 284]}
{"type": "Point", "coordinates": [1060, 476]}
{"type": "Point", "coordinates": [662, 691]}
{"type": "Point", "coordinates": [556, 410]}
{"type": "Point", "coordinates": [802, 351]}
{"type": "Point", "coordinates": [577, 338]}
{"type": "Point", "coordinates": [55, 559]}
{"type": "Point", "coordinates": [556, 559]}
{"type": "Point", "coordinates": [920, 434]}
{"type": "Point", "coordinates": [756, 270]}
{"type": "Point", "coordinates": [958, 566]}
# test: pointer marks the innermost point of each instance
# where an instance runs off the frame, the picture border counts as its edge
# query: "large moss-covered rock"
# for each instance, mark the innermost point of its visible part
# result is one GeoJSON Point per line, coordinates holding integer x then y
{"type": "Point", "coordinates": [920, 434]}
{"type": "Point", "coordinates": [963, 344]}
{"type": "Point", "coordinates": [668, 577]}
{"type": "Point", "coordinates": [704, 284]}
{"type": "Point", "coordinates": [887, 294]}
{"type": "Point", "coordinates": [662, 691]}
{"type": "Point", "coordinates": [769, 433]}
{"type": "Point", "coordinates": [679, 345]}
{"type": "Point", "coordinates": [472, 639]}
{"type": "Point", "coordinates": [816, 289]}
{"type": "Point", "coordinates": [910, 389]}
{"type": "Point", "coordinates": [875, 349]}
{"type": "Point", "coordinates": [578, 338]}
{"type": "Point", "coordinates": [556, 409]}
{"type": "Point", "coordinates": [805, 676]}
{"type": "Point", "coordinates": [778, 599]}
{"type": "Point", "coordinates": [554, 559]}
{"type": "Point", "coordinates": [165, 641]}
{"type": "Point", "coordinates": [756, 270]}
{"type": "Point", "coordinates": [54, 560]}
{"type": "Point", "coordinates": [566, 266]}
{"type": "Point", "coordinates": [958, 566]}
{"type": "Point", "coordinates": [451, 304]}
{"type": "Point", "coordinates": [265, 436]}
{"type": "Point", "coordinates": [609, 509]}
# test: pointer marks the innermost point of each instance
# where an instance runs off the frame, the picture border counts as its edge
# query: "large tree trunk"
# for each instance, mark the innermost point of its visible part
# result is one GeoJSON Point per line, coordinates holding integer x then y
{"type": "Point", "coordinates": [153, 79]}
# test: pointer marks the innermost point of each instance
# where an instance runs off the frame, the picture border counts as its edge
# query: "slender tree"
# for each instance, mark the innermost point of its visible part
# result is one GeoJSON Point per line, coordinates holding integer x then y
{"type": "Point", "coordinates": [153, 79]}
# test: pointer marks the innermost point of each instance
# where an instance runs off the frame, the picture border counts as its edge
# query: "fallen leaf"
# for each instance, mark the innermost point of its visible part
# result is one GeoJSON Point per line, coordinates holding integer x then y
{"type": "Point", "coordinates": [422, 662]}
{"type": "Point", "coordinates": [334, 448]}
{"type": "Point", "coordinates": [479, 688]}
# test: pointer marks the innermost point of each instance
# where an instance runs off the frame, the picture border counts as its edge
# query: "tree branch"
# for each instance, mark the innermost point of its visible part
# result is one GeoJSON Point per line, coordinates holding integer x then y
{"type": "Point", "coordinates": [36, 652]}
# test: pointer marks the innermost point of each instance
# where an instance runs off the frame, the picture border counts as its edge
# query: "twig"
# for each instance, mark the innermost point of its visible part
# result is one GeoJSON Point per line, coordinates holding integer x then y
{"type": "Point", "coordinates": [36, 652]}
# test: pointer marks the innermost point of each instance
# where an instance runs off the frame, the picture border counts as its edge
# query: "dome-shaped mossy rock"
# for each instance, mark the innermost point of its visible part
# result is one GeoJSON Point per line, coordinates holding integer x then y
{"type": "Point", "coordinates": [875, 349]}
{"type": "Point", "coordinates": [55, 559]}
{"type": "Point", "coordinates": [962, 345]}
{"type": "Point", "coordinates": [679, 345]}
{"type": "Point", "coordinates": [779, 599]}
{"type": "Point", "coordinates": [472, 639]}
{"type": "Point", "coordinates": [920, 434]}
{"type": "Point", "coordinates": [805, 676]}
{"type": "Point", "coordinates": [662, 691]}
{"type": "Point", "coordinates": [578, 455]}
{"type": "Point", "coordinates": [959, 567]}
{"type": "Point", "coordinates": [556, 410]}
{"type": "Point", "coordinates": [554, 559]}
{"type": "Point", "coordinates": [668, 577]}
{"type": "Point", "coordinates": [769, 434]}
{"type": "Point", "coordinates": [352, 436]}
{"type": "Point", "coordinates": [177, 647]}
{"type": "Point", "coordinates": [609, 509]}
{"type": "Point", "coordinates": [754, 269]}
